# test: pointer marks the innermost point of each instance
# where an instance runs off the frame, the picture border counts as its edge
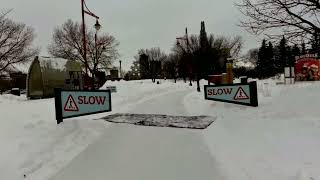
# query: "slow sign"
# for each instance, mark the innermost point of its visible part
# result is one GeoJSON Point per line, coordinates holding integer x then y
{"type": "Point", "coordinates": [244, 94]}
{"type": "Point", "coordinates": [71, 103]}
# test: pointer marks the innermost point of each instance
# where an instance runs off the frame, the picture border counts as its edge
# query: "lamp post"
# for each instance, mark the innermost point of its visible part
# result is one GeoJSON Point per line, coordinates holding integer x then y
{"type": "Point", "coordinates": [85, 10]}
{"type": "Point", "coordinates": [120, 70]}
{"type": "Point", "coordinates": [97, 26]}
{"type": "Point", "coordinates": [189, 52]}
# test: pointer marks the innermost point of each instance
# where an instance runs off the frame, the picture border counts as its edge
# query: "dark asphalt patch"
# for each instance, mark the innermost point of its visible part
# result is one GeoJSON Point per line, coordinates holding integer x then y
{"type": "Point", "coordinates": [190, 122]}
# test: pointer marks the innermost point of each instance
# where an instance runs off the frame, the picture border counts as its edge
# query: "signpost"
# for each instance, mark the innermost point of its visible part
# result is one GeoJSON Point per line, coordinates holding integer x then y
{"type": "Point", "coordinates": [289, 74]}
{"type": "Point", "coordinates": [113, 89]}
{"type": "Point", "coordinates": [73, 103]}
{"type": "Point", "coordinates": [243, 93]}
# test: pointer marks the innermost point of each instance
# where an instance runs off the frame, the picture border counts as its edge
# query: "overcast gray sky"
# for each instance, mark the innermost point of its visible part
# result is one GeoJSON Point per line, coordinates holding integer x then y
{"type": "Point", "coordinates": [135, 23]}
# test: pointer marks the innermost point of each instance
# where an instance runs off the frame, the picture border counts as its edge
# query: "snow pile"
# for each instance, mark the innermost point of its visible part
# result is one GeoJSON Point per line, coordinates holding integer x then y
{"type": "Point", "coordinates": [9, 98]}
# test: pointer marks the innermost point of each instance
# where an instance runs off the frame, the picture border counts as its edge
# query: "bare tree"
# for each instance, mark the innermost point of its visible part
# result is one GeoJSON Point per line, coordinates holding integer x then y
{"type": "Point", "coordinates": [210, 60]}
{"type": "Point", "coordinates": [15, 43]}
{"type": "Point", "coordinates": [222, 45]}
{"type": "Point", "coordinates": [151, 66]}
{"type": "Point", "coordinates": [252, 55]}
{"type": "Point", "coordinates": [154, 54]}
{"type": "Point", "coordinates": [67, 43]}
{"type": "Point", "coordinates": [296, 19]}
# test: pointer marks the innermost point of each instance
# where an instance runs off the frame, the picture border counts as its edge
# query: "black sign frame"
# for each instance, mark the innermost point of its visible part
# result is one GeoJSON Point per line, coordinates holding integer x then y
{"type": "Point", "coordinates": [253, 93]}
{"type": "Point", "coordinates": [58, 104]}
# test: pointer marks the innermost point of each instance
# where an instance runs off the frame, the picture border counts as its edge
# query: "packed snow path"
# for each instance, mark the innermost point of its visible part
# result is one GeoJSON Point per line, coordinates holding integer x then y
{"type": "Point", "coordinates": [144, 153]}
{"type": "Point", "coordinates": [168, 104]}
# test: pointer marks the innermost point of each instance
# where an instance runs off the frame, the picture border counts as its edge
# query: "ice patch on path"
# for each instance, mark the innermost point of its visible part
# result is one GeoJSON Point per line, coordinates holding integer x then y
{"type": "Point", "coordinates": [191, 122]}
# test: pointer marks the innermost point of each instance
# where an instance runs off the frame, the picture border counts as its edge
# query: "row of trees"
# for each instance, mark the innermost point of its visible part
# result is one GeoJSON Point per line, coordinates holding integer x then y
{"type": "Point", "coordinates": [272, 59]}
{"type": "Point", "coordinates": [193, 57]}
{"type": "Point", "coordinates": [16, 45]}
{"type": "Point", "coordinates": [295, 23]}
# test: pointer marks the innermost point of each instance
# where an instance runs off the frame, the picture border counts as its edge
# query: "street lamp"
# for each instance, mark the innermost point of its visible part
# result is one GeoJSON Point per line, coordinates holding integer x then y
{"type": "Point", "coordinates": [85, 10]}
{"type": "Point", "coordinates": [97, 26]}
{"type": "Point", "coordinates": [188, 48]}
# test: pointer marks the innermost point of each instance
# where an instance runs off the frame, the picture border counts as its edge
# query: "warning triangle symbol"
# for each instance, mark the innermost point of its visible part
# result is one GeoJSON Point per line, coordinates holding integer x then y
{"type": "Point", "coordinates": [241, 95]}
{"type": "Point", "coordinates": [71, 104]}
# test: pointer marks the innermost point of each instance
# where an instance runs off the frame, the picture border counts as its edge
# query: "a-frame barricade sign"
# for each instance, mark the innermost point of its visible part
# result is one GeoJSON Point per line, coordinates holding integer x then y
{"type": "Point", "coordinates": [73, 103]}
{"type": "Point", "coordinates": [243, 94]}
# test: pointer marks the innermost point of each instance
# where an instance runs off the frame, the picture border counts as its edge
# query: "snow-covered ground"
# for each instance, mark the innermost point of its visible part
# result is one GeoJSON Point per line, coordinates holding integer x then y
{"type": "Point", "coordinates": [278, 140]}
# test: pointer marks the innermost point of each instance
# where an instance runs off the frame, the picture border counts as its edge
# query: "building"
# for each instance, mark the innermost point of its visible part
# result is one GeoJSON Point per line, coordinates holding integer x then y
{"type": "Point", "coordinates": [14, 77]}
{"type": "Point", "coordinates": [47, 73]}
{"type": "Point", "coordinates": [18, 80]}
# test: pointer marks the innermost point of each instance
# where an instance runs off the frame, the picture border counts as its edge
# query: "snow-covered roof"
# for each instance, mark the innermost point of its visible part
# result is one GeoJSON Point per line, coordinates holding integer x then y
{"type": "Point", "coordinates": [20, 67]}
{"type": "Point", "coordinates": [53, 63]}
{"type": "Point", "coordinates": [242, 62]}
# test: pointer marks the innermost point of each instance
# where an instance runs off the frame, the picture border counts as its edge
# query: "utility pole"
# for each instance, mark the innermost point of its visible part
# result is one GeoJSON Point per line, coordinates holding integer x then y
{"type": "Point", "coordinates": [189, 57]}
{"type": "Point", "coordinates": [120, 70]}
{"type": "Point", "coordinates": [85, 10]}
{"type": "Point", "coordinates": [84, 38]}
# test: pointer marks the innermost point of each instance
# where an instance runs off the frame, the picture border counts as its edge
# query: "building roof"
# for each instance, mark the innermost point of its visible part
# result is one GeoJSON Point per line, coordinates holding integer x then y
{"type": "Point", "coordinates": [243, 62]}
{"type": "Point", "coordinates": [58, 64]}
{"type": "Point", "coordinates": [53, 63]}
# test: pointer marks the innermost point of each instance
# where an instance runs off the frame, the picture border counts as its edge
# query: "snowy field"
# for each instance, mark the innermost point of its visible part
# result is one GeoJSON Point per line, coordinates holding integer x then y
{"type": "Point", "coordinates": [279, 140]}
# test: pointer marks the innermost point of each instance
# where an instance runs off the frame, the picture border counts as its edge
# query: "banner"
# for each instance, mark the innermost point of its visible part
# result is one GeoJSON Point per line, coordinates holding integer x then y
{"type": "Point", "coordinates": [307, 68]}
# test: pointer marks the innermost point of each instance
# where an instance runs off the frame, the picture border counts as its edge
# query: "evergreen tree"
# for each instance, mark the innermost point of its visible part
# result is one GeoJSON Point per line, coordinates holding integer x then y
{"type": "Point", "coordinates": [203, 61]}
{"type": "Point", "coordinates": [294, 51]}
{"type": "Point", "coordinates": [282, 60]}
{"type": "Point", "coordinates": [262, 60]}
{"type": "Point", "coordinates": [315, 43]}
{"type": "Point", "coordinates": [303, 49]}
{"type": "Point", "coordinates": [204, 43]}
{"type": "Point", "coordinates": [270, 64]}
{"type": "Point", "coordinates": [144, 66]}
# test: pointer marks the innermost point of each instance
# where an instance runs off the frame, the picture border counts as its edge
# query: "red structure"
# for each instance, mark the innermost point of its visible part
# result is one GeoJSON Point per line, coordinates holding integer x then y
{"type": "Point", "coordinates": [307, 68]}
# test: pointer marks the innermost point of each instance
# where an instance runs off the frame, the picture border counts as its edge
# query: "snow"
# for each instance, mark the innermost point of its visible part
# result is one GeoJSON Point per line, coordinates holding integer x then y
{"type": "Point", "coordinates": [24, 67]}
{"type": "Point", "coordinates": [242, 62]}
{"type": "Point", "coordinates": [278, 140]}
{"type": "Point", "coordinates": [54, 63]}
{"type": "Point", "coordinates": [144, 153]}
{"type": "Point", "coordinates": [9, 98]}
